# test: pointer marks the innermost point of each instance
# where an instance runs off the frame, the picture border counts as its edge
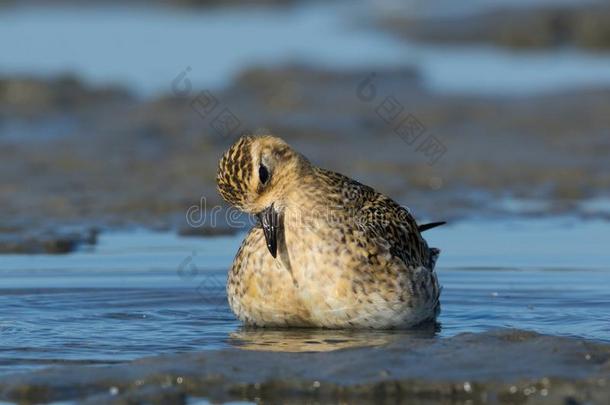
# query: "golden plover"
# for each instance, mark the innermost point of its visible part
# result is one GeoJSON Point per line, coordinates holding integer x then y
{"type": "Point", "coordinates": [328, 251]}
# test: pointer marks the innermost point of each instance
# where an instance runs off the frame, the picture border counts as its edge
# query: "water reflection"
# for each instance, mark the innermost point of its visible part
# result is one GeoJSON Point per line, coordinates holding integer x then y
{"type": "Point", "coordinates": [125, 300]}
{"type": "Point", "coordinates": [323, 340]}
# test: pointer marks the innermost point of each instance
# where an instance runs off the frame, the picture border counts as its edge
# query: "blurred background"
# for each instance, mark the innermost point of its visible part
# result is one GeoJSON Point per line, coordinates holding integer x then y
{"type": "Point", "coordinates": [115, 113]}
{"type": "Point", "coordinates": [492, 115]}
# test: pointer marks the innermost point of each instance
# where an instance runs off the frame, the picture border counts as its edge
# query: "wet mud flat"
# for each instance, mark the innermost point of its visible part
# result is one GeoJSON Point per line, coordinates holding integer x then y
{"type": "Point", "coordinates": [580, 24]}
{"type": "Point", "coordinates": [76, 155]}
{"type": "Point", "coordinates": [77, 158]}
{"type": "Point", "coordinates": [503, 366]}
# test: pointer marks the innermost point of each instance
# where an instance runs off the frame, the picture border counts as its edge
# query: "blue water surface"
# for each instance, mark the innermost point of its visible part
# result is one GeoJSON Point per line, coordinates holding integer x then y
{"type": "Point", "coordinates": [142, 293]}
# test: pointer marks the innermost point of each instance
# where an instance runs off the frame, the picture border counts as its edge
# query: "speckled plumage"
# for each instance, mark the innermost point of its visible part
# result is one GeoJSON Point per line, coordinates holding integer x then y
{"type": "Point", "coordinates": [347, 256]}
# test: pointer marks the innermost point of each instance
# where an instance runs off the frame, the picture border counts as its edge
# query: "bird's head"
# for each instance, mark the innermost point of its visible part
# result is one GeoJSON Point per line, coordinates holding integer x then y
{"type": "Point", "coordinates": [255, 174]}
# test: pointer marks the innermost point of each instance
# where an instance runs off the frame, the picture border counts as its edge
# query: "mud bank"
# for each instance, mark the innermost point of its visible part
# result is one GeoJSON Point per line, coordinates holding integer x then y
{"type": "Point", "coordinates": [98, 157]}
{"type": "Point", "coordinates": [37, 241]}
{"type": "Point", "coordinates": [34, 97]}
{"type": "Point", "coordinates": [173, 3]}
{"type": "Point", "coordinates": [508, 366]}
{"type": "Point", "coordinates": [585, 26]}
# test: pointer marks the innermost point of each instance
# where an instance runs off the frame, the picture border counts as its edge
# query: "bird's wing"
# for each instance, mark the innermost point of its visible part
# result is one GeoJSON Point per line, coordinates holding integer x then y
{"type": "Point", "coordinates": [382, 219]}
{"type": "Point", "coordinates": [387, 220]}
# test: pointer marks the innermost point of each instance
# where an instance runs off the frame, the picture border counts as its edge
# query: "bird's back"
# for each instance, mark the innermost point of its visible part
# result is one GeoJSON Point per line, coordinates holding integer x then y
{"type": "Point", "coordinates": [379, 217]}
{"type": "Point", "coordinates": [390, 238]}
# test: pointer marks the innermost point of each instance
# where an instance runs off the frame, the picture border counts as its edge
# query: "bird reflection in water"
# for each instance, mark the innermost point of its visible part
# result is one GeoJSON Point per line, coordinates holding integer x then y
{"type": "Point", "coordinates": [324, 340]}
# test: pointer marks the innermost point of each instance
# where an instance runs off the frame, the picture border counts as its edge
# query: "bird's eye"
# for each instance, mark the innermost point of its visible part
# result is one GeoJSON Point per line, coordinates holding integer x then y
{"type": "Point", "coordinates": [263, 174]}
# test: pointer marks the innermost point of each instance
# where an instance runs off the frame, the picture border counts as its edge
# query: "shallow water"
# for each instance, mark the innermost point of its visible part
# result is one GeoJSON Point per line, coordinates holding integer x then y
{"type": "Point", "coordinates": [140, 294]}
{"type": "Point", "coordinates": [122, 44]}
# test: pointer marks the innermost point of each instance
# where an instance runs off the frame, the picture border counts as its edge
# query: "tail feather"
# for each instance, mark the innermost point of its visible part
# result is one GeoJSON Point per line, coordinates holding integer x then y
{"type": "Point", "coordinates": [431, 225]}
{"type": "Point", "coordinates": [434, 253]}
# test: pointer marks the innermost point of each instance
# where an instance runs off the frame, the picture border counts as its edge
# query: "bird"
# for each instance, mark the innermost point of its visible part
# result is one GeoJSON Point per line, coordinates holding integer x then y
{"type": "Point", "coordinates": [326, 251]}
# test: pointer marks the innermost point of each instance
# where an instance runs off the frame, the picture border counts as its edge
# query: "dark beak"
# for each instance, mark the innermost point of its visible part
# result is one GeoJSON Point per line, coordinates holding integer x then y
{"type": "Point", "coordinates": [271, 224]}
